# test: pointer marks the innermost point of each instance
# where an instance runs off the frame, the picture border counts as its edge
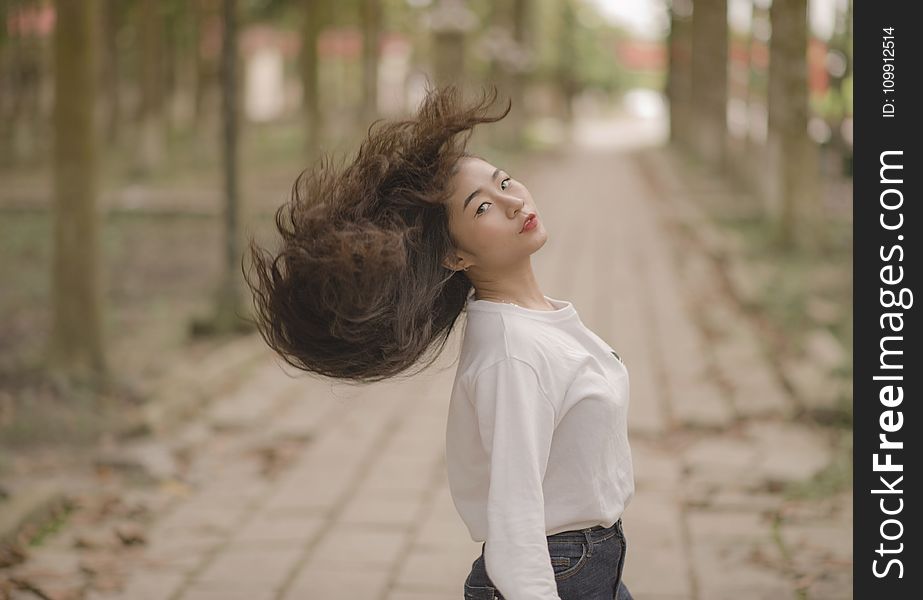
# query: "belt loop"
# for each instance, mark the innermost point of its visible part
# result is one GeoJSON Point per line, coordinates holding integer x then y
{"type": "Point", "coordinates": [589, 543]}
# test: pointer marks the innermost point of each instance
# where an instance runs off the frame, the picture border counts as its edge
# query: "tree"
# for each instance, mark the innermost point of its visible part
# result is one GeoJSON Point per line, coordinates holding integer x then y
{"type": "Point", "coordinates": [206, 15]}
{"type": "Point", "coordinates": [229, 299]}
{"type": "Point", "coordinates": [76, 348]}
{"type": "Point", "coordinates": [679, 73]}
{"type": "Point", "coordinates": [568, 82]}
{"type": "Point", "coordinates": [152, 142]}
{"type": "Point", "coordinates": [311, 27]}
{"type": "Point", "coordinates": [111, 25]}
{"type": "Point", "coordinates": [709, 80]}
{"type": "Point", "coordinates": [841, 47]}
{"type": "Point", "coordinates": [450, 21]}
{"type": "Point", "coordinates": [228, 315]}
{"type": "Point", "coordinates": [25, 63]}
{"type": "Point", "coordinates": [180, 62]}
{"type": "Point", "coordinates": [371, 31]}
{"type": "Point", "coordinates": [793, 195]}
{"type": "Point", "coordinates": [522, 36]}
{"type": "Point", "coordinates": [508, 42]}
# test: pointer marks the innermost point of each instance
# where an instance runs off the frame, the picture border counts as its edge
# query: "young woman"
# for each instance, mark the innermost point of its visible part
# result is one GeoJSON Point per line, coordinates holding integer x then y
{"type": "Point", "coordinates": [379, 259]}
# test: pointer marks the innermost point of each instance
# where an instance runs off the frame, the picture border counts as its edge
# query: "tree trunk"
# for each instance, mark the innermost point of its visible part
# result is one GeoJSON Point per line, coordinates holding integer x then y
{"type": "Point", "coordinates": [450, 57]}
{"type": "Point", "coordinates": [510, 69]}
{"type": "Point", "coordinates": [152, 139]}
{"type": "Point", "coordinates": [26, 60]}
{"type": "Point", "coordinates": [752, 96]}
{"type": "Point", "coordinates": [371, 31]}
{"type": "Point", "coordinates": [522, 35]}
{"type": "Point", "coordinates": [170, 49]}
{"type": "Point", "coordinates": [679, 74]}
{"type": "Point", "coordinates": [310, 101]}
{"type": "Point", "coordinates": [8, 92]}
{"type": "Point", "coordinates": [567, 57]}
{"type": "Point", "coordinates": [499, 33]}
{"type": "Point", "coordinates": [709, 81]}
{"type": "Point", "coordinates": [229, 300]}
{"type": "Point", "coordinates": [76, 344]}
{"type": "Point", "coordinates": [184, 59]}
{"type": "Point", "coordinates": [450, 23]}
{"type": "Point", "coordinates": [112, 113]}
{"type": "Point", "coordinates": [206, 69]}
{"type": "Point", "coordinates": [841, 42]}
{"type": "Point", "coordinates": [792, 154]}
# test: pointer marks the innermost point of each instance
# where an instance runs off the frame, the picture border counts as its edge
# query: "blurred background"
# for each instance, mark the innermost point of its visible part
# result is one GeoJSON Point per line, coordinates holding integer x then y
{"type": "Point", "coordinates": [143, 141]}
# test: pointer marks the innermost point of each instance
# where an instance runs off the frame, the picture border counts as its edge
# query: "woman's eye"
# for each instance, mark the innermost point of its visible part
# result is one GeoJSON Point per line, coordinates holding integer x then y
{"type": "Point", "coordinates": [505, 180]}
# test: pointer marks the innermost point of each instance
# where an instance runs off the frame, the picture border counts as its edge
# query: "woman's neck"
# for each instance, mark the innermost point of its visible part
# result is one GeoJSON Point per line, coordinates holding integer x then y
{"type": "Point", "coordinates": [519, 288]}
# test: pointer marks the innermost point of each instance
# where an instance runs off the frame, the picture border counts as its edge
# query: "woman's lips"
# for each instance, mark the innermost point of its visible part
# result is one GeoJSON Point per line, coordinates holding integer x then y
{"type": "Point", "coordinates": [530, 223]}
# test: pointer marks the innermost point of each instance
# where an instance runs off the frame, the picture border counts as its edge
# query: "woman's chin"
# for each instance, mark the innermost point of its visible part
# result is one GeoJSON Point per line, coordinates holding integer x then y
{"type": "Point", "coordinates": [539, 238]}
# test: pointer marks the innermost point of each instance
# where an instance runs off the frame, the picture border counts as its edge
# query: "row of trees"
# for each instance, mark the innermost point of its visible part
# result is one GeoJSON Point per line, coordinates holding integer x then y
{"type": "Point", "coordinates": [184, 48]}
{"type": "Point", "coordinates": [158, 62]}
{"type": "Point", "coordinates": [782, 169]}
{"type": "Point", "coordinates": [188, 49]}
{"type": "Point", "coordinates": [76, 350]}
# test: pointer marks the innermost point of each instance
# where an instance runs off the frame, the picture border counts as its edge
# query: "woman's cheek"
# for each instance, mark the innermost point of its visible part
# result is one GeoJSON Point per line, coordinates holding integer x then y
{"type": "Point", "coordinates": [483, 238]}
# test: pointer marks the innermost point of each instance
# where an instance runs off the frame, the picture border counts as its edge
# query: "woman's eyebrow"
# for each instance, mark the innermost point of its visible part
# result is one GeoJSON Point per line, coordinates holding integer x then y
{"type": "Point", "coordinates": [475, 192]}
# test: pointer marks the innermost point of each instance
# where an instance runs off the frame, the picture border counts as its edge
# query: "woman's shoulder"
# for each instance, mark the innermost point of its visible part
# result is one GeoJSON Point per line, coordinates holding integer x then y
{"type": "Point", "coordinates": [493, 337]}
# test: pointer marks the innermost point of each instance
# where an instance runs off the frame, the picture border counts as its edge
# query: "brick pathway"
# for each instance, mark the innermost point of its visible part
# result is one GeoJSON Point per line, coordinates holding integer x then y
{"type": "Point", "coordinates": [298, 489]}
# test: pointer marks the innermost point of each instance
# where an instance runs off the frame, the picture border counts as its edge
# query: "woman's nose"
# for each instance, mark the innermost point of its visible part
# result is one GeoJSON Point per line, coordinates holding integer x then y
{"type": "Point", "coordinates": [513, 204]}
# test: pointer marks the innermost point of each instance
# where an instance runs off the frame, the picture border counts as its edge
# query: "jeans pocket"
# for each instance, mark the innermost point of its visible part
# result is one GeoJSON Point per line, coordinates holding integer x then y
{"type": "Point", "coordinates": [567, 557]}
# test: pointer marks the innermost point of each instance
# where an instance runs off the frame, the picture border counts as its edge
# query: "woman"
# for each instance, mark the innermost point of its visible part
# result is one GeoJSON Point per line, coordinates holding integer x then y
{"type": "Point", "coordinates": [379, 259]}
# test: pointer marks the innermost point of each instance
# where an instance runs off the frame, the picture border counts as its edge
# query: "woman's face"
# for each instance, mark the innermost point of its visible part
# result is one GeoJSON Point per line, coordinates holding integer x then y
{"type": "Point", "coordinates": [487, 210]}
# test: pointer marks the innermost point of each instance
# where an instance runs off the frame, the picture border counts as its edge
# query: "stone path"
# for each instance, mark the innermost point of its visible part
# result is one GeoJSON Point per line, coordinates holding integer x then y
{"type": "Point", "coordinates": [295, 489]}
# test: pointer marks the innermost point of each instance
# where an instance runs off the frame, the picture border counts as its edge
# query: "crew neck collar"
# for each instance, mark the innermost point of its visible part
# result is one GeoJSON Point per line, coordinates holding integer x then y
{"type": "Point", "coordinates": [562, 308]}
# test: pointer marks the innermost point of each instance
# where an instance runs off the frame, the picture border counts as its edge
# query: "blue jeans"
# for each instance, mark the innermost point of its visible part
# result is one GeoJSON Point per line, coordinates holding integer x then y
{"type": "Point", "coordinates": [587, 565]}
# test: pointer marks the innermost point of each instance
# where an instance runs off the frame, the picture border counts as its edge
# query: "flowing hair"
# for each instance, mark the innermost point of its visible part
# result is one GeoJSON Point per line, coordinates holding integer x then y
{"type": "Point", "coordinates": [357, 290]}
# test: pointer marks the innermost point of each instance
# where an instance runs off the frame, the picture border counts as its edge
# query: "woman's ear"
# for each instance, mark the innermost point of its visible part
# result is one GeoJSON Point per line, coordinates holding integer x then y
{"type": "Point", "coordinates": [453, 263]}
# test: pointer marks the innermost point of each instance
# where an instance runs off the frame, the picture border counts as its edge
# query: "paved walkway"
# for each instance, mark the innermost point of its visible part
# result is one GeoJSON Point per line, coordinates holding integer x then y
{"type": "Point", "coordinates": [296, 489]}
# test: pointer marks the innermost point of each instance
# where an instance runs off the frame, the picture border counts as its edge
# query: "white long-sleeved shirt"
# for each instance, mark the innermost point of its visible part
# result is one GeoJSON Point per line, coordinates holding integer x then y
{"type": "Point", "coordinates": [536, 437]}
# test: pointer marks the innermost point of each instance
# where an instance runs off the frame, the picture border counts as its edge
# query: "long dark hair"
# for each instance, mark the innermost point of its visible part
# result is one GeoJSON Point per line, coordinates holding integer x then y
{"type": "Point", "coordinates": [357, 289]}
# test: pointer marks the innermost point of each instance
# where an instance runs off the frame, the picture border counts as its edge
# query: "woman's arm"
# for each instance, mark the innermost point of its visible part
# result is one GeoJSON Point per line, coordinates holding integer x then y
{"type": "Point", "coordinates": [516, 421]}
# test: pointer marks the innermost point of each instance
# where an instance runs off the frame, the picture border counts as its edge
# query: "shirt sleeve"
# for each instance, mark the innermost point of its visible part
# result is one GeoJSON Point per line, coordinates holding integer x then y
{"type": "Point", "coordinates": [516, 421]}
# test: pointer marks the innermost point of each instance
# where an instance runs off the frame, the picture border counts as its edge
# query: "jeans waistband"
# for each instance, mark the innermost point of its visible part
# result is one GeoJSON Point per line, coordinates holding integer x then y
{"type": "Point", "coordinates": [591, 534]}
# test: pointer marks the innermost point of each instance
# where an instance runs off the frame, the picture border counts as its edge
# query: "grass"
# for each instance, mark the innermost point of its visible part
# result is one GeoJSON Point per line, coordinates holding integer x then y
{"type": "Point", "coordinates": [800, 292]}
{"type": "Point", "coordinates": [832, 480]}
{"type": "Point", "coordinates": [158, 273]}
{"type": "Point", "coordinates": [776, 533]}
{"type": "Point", "coordinates": [798, 276]}
{"type": "Point", "coordinates": [795, 280]}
